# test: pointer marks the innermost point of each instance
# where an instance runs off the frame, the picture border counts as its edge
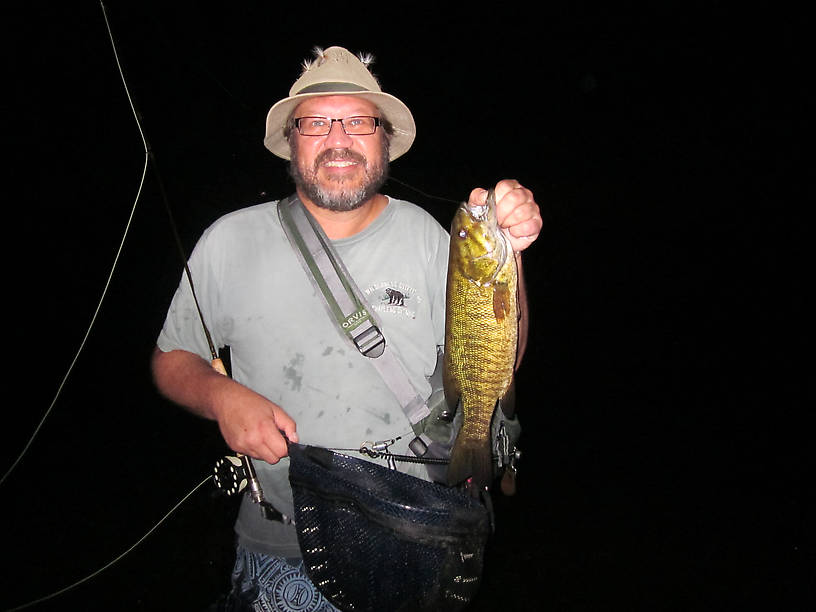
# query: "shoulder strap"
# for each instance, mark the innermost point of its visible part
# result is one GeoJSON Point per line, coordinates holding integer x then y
{"type": "Point", "coordinates": [345, 303]}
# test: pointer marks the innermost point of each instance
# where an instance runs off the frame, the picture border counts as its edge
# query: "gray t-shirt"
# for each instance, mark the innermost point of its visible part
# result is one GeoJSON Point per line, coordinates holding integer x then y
{"type": "Point", "coordinates": [256, 298]}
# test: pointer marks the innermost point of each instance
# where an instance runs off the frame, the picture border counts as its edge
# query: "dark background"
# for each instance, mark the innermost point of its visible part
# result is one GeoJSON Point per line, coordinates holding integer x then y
{"type": "Point", "coordinates": [666, 453]}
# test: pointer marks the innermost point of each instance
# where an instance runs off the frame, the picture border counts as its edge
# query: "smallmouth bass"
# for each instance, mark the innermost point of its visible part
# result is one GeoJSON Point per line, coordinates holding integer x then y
{"type": "Point", "coordinates": [481, 335]}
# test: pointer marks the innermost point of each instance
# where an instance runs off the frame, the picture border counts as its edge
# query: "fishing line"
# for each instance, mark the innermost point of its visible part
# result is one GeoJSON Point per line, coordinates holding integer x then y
{"type": "Point", "coordinates": [102, 297]}
{"type": "Point", "coordinates": [152, 157]}
{"type": "Point", "coordinates": [109, 564]}
{"type": "Point", "coordinates": [87, 332]}
{"type": "Point", "coordinates": [427, 195]}
{"type": "Point", "coordinates": [148, 157]}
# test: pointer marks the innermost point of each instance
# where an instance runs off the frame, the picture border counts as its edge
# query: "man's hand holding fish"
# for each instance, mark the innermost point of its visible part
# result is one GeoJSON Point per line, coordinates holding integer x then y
{"type": "Point", "coordinates": [516, 210]}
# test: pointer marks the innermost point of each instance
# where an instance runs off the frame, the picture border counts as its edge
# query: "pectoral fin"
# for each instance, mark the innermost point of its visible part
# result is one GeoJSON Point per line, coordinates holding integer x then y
{"type": "Point", "coordinates": [501, 301]}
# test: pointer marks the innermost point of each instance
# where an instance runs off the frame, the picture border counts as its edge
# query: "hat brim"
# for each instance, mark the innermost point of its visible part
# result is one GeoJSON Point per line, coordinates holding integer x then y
{"type": "Point", "coordinates": [392, 109]}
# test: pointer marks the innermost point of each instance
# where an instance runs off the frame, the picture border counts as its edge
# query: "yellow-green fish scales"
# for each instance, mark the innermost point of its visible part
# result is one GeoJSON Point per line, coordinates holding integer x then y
{"type": "Point", "coordinates": [481, 334]}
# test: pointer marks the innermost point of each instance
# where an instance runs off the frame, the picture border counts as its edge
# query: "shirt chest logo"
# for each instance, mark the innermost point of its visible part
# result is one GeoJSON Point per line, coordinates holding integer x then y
{"type": "Point", "coordinates": [393, 297]}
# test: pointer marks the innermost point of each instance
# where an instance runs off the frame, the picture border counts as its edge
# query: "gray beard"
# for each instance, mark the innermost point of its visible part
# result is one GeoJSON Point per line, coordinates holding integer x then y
{"type": "Point", "coordinates": [340, 199]}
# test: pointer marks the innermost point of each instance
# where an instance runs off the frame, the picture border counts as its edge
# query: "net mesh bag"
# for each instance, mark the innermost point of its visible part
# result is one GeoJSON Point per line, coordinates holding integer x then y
{"type": "Point", "coordinates": [376, 539]}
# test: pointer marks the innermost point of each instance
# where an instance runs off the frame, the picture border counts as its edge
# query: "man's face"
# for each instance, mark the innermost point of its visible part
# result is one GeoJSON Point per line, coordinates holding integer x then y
{"type": "Point", "coordinates": [337, 171]}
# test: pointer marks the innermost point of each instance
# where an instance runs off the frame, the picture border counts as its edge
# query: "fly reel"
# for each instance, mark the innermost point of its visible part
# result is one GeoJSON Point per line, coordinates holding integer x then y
{"type": "Point", "coordinates": [234, 474]}
{"type": "Point", "coordinates": [230, 475]}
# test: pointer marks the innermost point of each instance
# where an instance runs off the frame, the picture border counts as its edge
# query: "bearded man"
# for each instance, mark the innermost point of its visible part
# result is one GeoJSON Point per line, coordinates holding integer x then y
{"type": "Point", "coordinates": [294, 378]}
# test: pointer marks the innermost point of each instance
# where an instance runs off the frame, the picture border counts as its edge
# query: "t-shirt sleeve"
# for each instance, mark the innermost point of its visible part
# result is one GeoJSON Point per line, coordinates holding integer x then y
{"type": "Point", "coordinates": [183, 328]}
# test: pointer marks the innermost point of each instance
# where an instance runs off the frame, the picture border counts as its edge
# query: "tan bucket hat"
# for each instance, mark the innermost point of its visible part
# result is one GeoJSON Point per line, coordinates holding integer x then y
{"type": "Point", "coordinates": [334, 72]}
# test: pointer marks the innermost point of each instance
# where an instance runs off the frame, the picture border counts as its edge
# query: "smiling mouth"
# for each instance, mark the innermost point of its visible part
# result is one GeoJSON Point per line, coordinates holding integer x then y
{"type": "Point", "coordinates": [339, 159]}
{"type": "Point", "coordinates": [339, 163]}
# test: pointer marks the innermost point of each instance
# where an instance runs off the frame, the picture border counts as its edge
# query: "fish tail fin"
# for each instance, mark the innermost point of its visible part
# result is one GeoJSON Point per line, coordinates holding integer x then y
{"type": "Point", "coordinates": [471, 459]}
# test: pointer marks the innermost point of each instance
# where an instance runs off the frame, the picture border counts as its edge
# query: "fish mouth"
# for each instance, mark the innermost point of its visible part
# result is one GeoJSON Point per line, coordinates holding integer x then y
{"type": "Point", "coordinates": [478, 212]}
{"type": "Point", "coordinates": [484, 213]}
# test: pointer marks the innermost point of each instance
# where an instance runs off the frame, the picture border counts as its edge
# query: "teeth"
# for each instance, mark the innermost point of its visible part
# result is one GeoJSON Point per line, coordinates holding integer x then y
{"type": "Point", "coordinates": [339, 164]}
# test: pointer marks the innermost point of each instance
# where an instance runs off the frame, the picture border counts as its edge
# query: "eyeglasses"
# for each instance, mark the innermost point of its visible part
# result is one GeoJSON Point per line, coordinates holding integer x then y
{"type": "Point", "coordinates": [321, 126]}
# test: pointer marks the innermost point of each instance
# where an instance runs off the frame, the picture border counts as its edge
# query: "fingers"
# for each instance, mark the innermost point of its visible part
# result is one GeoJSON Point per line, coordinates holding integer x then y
{"type": "Point", "coordinates": [263, 442]}
{"type": "Point", "coordinates": [509, 187]}
{"type": "Point", "coordinates": [287, 426]}
{"type": "Point", "coordinates": [515, 205]}
{"type": "Point", "coordinates": [516, 211]}
{"type": "Point", "coordinates": [478, 197]}
{"type": "Point", "coordinates": [254, 426]}
{"type": "Point", "coordinates": [273, 445]}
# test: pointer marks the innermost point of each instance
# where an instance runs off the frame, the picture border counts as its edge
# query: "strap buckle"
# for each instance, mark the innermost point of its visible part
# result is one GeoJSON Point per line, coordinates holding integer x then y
{"type": "Point", "coordinates": [370, 342]}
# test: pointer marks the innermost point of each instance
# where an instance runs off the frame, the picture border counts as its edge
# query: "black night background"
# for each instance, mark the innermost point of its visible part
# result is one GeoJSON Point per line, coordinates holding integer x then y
{"type": "Point", "coordinates": [666, 452]}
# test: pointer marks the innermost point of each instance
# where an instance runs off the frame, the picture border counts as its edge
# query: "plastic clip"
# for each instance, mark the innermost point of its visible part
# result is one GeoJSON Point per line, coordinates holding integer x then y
{"type": "Point", "coordinates": [370, 342]}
